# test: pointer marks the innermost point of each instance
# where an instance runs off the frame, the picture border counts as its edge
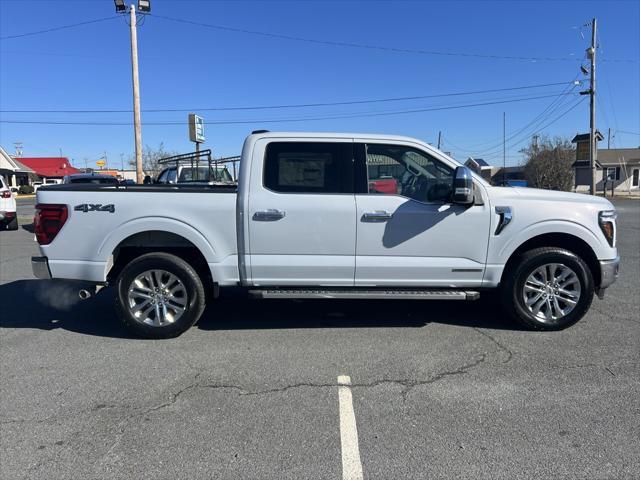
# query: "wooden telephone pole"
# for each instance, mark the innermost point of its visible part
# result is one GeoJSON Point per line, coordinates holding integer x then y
{"type": "Point", "coordinates": [593, 141]}
{"type": "Point", "coordinates": [136, 93]}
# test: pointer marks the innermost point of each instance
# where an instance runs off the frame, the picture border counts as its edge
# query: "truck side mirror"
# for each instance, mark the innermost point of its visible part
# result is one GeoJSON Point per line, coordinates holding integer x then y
{"type": "Point", "coordinates": [463, 186]}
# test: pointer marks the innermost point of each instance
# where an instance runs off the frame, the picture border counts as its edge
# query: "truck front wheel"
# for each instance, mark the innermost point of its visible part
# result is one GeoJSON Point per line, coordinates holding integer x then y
{"type": "Point", "coordinates": [547, 289]}
{"type": "Point", "coordinates": [159, 295]}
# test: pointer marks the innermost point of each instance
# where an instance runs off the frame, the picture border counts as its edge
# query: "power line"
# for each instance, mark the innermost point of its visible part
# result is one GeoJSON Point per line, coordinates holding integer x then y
{"type": "Point", "coordinates": [538, 128]}
{"type": "Point", "coordinates": [549, 110]}
{"type": "Point", "coordinates": [301, 105]}
{"type": "Point", "coordinates": [608, 85]}
{"type": "Point", "coordinates": [522, 134]}
{"type": "Point", "coordinates": [627, 132]}
{"type": "Point", "coordinates": [370, 47]}
{"type": "Point", "coordinates": [534, 125]}
{"type": "Point", "coordinates": [55, 29]}
{"type": "Point", "coordinates": [283, 120]}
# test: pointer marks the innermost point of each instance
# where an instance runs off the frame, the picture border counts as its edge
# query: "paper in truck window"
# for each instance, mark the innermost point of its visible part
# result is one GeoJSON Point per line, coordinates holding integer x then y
{"type": "Point", "coordinates": [303, 169]}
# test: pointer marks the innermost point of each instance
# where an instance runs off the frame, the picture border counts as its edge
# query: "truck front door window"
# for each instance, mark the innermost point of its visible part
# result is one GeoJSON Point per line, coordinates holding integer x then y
{"type": "Point", "coordinates": [399, 170]}
{"type": "Point", "coordinates": [162, 178]}
{"type": "Point", "coordinates": [171, 175]}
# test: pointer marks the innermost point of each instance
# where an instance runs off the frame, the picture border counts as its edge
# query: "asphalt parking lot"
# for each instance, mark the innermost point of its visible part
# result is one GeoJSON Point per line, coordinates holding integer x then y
{"type": "Point", "coordinates": [439, 390]}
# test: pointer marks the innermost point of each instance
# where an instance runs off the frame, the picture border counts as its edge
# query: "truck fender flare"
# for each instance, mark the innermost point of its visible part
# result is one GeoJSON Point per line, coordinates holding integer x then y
{"type": "Point", "coordinates": [147, 224]}
{"type": "Point", "coordinates": [546, 227]}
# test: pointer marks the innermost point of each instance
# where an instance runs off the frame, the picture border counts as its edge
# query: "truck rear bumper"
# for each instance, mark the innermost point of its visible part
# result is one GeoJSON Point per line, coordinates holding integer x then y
{"type": "Point", "coordinates": [40, 268]}
{"type": "Point", "coordinates": [6, 217]}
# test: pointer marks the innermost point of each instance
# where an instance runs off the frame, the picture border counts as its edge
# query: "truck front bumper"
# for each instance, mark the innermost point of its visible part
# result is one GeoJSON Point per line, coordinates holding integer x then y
{"type": "Point", "coordinates": [40, 268]}
{"type": "Point", "coordinates": [608, 274]}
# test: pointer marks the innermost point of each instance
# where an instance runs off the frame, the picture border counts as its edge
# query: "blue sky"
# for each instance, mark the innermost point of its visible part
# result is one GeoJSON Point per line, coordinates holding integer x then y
{"type": "Point", "coordinates": [185, 66]}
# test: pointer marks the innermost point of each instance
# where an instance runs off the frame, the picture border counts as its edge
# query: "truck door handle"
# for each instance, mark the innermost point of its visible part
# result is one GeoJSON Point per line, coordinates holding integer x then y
{"type": "Point", "coordinates": [270, 215]}
{"type": "Point", "coordinates": [377, 216]}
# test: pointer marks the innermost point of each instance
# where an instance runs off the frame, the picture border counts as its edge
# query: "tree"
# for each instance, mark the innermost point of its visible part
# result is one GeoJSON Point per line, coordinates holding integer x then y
{"type": "Point", "coordinates": [548, 164]}
{"type": "Point", "coordinates": [150, 157]}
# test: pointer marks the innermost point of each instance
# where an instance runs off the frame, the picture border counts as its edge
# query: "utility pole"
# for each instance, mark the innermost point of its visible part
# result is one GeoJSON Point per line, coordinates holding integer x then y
{"type": "Point", "coordinates": [593, 142]}
{"type": "Point", "coordinates": [535, 143]}
{"type": "Point", "coordinates": [439, 139]}
{"type": "Point", "coordinates": [609, 139]}
{"type": "Point", "coordinates": [136, 93]}
{"type": "Point", "coordinates": [504, 148]}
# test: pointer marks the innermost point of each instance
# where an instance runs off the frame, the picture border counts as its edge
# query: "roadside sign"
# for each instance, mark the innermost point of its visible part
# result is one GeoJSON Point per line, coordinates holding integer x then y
{"type": "Point", "coordinates": [101, 163]}
{"type": "Point", "coordinates": [196, 128]}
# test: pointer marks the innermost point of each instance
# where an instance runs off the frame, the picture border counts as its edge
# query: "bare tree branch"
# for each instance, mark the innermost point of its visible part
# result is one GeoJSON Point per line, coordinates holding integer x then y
{"type": "Point", "coordinates": [549, 163]}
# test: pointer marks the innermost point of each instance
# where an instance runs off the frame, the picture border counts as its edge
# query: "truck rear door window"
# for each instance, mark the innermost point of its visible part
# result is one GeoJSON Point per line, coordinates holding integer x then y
{"type": "Point", "coordinates": [313, 167]}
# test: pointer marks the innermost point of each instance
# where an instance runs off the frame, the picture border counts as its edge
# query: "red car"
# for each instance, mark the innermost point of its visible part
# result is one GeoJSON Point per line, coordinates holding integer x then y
{"type": "Point", "coordinates": [386, 186]}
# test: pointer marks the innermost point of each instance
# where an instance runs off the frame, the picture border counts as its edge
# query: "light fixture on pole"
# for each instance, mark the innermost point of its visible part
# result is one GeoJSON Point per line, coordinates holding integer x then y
{"type": "Point", "coordinates": [120, 6]}
{"type": "Point", "coordinates": [144, 6]}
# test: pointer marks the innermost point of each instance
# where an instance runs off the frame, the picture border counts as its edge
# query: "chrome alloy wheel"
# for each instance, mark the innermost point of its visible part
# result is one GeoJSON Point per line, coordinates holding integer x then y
{"type": "Point", "coordinates": [157, 298]}
{"type": "Point", "coordinates": [551, 291]}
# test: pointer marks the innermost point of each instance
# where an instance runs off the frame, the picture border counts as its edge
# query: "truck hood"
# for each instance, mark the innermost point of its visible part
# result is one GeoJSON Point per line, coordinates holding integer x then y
{"type": "Point", "coordinates": [556, 196]}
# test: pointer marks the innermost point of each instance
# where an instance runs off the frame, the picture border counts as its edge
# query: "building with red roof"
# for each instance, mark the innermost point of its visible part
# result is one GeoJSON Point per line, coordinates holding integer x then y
{"type": "Point", "coordinates": [49, 167]}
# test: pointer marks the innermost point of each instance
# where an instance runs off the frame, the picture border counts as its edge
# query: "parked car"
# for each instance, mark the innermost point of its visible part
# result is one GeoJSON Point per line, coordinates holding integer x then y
{"type": "Point", "coordinates": [303, 223]}
{"type": "Point", "coordinates": [46, 181]}
{"type": "Point", "coordinates": [8, 213]}
{"type": "Point", "coordinates": [94, 178]}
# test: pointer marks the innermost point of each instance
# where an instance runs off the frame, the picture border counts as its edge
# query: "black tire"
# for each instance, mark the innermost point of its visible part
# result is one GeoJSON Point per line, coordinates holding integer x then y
{"type": "Point", "coordinates": [513, 284]}
{"type": "Point", "coordinates": [13, 224]}
{"type": "Point", "coordinates": [193, 288]}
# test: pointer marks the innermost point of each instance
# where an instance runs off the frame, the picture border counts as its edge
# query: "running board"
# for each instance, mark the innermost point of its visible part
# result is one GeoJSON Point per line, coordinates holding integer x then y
{"type": "Point", "coordinates": [367, 294]}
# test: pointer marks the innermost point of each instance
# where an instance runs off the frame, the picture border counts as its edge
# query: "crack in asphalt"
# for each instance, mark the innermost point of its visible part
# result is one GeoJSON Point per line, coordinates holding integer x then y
{"type": "Point", "coordinates": [407, 384]}
{"type": "Point", "coordinates": [500, 346]}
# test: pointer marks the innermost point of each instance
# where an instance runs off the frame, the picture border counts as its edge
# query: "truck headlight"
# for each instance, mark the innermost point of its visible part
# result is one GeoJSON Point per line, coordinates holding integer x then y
{"type": "Point", "coordinates": [607, 222]}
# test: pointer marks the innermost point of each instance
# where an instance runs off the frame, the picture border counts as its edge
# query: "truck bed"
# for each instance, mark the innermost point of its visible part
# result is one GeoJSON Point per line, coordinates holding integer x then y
{"type": "Point", "coordinates": [101, 217]}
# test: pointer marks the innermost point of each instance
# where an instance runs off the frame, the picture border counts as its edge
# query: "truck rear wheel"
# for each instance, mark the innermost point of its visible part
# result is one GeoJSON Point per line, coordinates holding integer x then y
{"type": "Point", "coordinates": [548, 289]}
{"type": "Point", "coordinates": [159, 295]}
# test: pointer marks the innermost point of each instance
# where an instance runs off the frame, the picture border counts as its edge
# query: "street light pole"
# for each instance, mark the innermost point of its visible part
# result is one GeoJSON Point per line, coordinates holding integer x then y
{"type": "Point", "coordinates": [504, 149]}
{"type": "Point", "coordinates": [136, 93]}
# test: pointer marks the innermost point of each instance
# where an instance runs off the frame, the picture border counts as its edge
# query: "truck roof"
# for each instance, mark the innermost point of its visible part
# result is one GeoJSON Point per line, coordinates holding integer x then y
{"type": "Point", "coordinates": [364, 136]}
{"type": "Point", "coordinates": [372, 136]}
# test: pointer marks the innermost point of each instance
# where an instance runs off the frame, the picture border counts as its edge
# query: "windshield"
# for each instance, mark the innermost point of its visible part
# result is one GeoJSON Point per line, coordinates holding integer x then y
{"type": "Point", "coordinates": [203, 174]}
{"type": "Point", "coordinates": [95, 180]}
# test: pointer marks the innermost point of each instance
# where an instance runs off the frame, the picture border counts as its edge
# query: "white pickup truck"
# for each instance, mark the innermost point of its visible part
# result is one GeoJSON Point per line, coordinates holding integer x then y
{"type": "Point", "coordinates": [322, 215]}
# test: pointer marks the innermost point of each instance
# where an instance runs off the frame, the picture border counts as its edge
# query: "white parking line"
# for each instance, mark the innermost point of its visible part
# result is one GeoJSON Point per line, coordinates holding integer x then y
{"type": "Point", "coordinates": [351, 465]}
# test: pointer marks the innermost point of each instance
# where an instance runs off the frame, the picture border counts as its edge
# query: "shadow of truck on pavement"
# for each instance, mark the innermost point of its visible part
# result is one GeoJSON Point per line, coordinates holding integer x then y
{"type": "Point", "coordinates": [51, 304]}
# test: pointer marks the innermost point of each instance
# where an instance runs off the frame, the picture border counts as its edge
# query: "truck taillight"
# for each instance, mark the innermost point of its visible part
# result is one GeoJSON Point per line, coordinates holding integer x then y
{"type": "Point", "coordinates": [48, 221]}
{"type": "Point", "coordinates": [6, 194]}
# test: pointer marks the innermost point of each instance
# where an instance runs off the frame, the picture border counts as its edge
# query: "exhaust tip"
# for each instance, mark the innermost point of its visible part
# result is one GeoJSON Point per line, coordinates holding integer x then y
{"type": "Point", "coordinates": [84, 294]}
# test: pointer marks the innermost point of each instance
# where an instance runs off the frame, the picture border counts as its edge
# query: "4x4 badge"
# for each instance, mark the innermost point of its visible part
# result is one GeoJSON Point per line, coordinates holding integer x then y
{"type": "Point", "coordinates": [95, 207]}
